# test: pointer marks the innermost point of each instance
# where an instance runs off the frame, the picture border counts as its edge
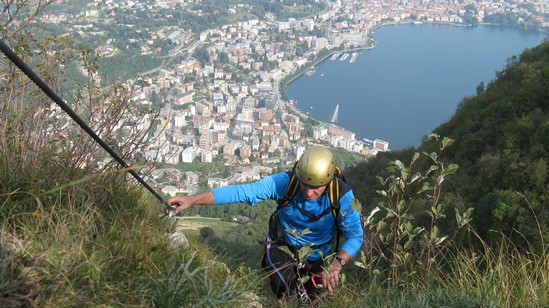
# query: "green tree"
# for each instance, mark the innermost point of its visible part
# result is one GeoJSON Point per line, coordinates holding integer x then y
{"type": "Point", "coordinates": [201, 55]}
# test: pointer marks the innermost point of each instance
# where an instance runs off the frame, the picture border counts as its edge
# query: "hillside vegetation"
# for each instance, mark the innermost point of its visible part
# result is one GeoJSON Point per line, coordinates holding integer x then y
{"type": "Point", "coordinates": [501, 146]}
{"type": "Point", "coordinates": [461, 222]}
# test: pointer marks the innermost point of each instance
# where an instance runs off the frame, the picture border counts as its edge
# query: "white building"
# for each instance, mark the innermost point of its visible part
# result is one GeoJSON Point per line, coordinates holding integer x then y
{"type": "Point", "coordinates": [381, 145]}
{"type": "Point", "coordinates": [206, 156]}
{"type": "Point", "coordinates": [189, 154]}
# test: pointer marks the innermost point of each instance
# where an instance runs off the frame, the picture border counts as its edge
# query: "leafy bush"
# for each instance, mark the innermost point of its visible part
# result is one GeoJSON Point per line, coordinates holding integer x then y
{"type": "Point", "coordinates": [397, 242]}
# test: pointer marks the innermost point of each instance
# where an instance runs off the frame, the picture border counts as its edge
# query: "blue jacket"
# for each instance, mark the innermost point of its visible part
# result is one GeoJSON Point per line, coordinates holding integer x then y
{"type": "Point", "coordinates": [322, 231]}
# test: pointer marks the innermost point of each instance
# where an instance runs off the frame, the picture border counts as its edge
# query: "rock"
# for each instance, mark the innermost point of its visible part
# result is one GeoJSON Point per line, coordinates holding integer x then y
{"type": "Point", "coordinates": [178, 240]}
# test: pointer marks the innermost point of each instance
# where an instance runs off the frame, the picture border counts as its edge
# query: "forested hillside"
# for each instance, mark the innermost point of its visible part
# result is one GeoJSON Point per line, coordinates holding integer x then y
{"type": "Point", "coordinates": [501, 143]}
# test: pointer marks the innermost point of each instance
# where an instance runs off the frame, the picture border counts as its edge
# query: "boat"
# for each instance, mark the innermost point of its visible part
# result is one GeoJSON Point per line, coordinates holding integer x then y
{"type": "Point", "coordinates": [310, 72]}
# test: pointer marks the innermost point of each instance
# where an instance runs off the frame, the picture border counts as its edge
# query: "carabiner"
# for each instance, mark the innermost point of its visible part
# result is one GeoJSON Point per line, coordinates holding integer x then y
{"type": "Point", "coordinates": [302, 294]}
{"type": "Point", "coordinates": [170, 211]}
{"type": "Point", "coordinates": [315, 284]}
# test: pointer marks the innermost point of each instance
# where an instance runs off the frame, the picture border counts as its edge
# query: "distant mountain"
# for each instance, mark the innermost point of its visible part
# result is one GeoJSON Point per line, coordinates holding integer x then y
{"type": "Point", "coordinates": [501, 146]}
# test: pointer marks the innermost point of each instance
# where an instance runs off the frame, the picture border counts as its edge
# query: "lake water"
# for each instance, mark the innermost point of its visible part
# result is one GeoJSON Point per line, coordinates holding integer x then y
{"type": "Point", "coordinates": [411, 82]}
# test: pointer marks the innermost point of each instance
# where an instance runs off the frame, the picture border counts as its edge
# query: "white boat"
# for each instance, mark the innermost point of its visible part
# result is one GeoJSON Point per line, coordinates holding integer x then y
{"type": "Point", "coordinates": [310, 72]}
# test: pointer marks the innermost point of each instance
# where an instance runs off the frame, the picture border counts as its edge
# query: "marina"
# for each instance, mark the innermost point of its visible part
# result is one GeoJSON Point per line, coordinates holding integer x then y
{"type": "Point", "coordinates": [344, 56]}
{"type": "Point", "coordinates": [310, 72]}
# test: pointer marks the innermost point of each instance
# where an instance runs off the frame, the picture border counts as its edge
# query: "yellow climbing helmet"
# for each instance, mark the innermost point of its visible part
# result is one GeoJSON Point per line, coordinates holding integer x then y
{"type": "Point", "coordinates": [316, 167]}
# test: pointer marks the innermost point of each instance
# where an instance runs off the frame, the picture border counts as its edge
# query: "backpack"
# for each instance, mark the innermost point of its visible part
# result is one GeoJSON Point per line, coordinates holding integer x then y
{"type": "Point", "coordinates": [334, 193]}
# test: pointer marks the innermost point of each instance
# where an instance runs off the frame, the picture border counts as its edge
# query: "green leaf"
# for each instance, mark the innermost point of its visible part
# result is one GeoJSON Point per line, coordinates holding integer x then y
{"type": "Point", "coordinates": [382, 192]}
{"type": "Point", "coordinates": [424, 188]}
{"type": "Point", "coordinates": [399, 164]}
{"type": "Point", "coordinates": [440, 240]}
{"type": "Point", "coordinates": [372, 213]}
{"type": "Point", "coordinates": [415, 177]}
{"type": "Point", "coordinates": [356, 205]}
{"type": "Point", "coordinates": [440, 179]}
{"type": "Point", "coordinates": [465, 219]}
{"type": "Point", "coordinates": [431, 169]}
{"type": "Point", "coordinates": [434, 233]}
{"type": "Point", "coordinates": [305, 251]}
{"type": "Point", "coordinates": [380, 179]}
{"type": "Point", "coordinates": [381, 225]}
{"type": "Point", "coordinates": [415, 157]}
{"type": "Point", "coordinates": [409, 228]}
{"type": "Point", "coordinates": [418, 230]}
{"type": "Point", "coordinates": [304, 279]}
{"type": "Point", "coordinates": [361, 265]}
{"type": "Point", "coordinates": [407, 245]}
{"type": "Point", "coordinates": [447, 142]}
{"type": "Point", "coordinates": [468, 212]}
{"type": "Point", "coordinates": [440, 208]}
{"type": "Point", "coordinates": [451, 169]}
{"type": "Point", "coordinates": [400, 205]}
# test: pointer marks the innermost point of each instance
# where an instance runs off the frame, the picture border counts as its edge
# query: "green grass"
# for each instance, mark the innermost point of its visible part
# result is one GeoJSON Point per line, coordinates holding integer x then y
{"type": "Point", "coordinates": [69, 254]}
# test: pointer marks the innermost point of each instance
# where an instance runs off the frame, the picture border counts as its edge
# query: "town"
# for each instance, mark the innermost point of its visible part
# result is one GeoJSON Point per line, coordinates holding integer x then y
{"type": "Point", "coordinates": [227, 101]}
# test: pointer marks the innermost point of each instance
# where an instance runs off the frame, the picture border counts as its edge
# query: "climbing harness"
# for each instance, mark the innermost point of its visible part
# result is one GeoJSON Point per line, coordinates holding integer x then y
{"type": "Point", "coordinates": [277, 271]}
{"type": "Point", "coordinates": [275, 235]}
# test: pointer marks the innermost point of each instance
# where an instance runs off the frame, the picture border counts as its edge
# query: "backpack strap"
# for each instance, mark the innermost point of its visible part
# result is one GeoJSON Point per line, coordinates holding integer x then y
{"type": "Point", "coordinates": [333, 191]}
{"type": "Point", "coordinates": [293, 186]}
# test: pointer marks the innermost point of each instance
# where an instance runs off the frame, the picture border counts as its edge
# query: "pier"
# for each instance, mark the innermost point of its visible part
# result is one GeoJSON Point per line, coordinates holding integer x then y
{"type": "Point", "coordinates": [354, 56]}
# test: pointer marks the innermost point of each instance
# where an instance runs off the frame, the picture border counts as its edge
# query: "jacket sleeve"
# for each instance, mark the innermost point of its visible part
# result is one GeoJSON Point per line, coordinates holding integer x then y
{"type": "Point", "coordinates": [270, 187]}
{"type": "Point", "coordinates": [350, 224]}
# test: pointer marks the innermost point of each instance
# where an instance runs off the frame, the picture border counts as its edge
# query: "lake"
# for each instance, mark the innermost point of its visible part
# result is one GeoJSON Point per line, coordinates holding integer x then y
{"type": "Point", "coordinates": [411, 82]}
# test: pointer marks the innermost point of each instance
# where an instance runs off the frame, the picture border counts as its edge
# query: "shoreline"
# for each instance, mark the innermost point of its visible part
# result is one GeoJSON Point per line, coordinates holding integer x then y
{"type": "Point", "coordinates": [370, 37]}
{"type": "Point", "coordinates": [369, 43]}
